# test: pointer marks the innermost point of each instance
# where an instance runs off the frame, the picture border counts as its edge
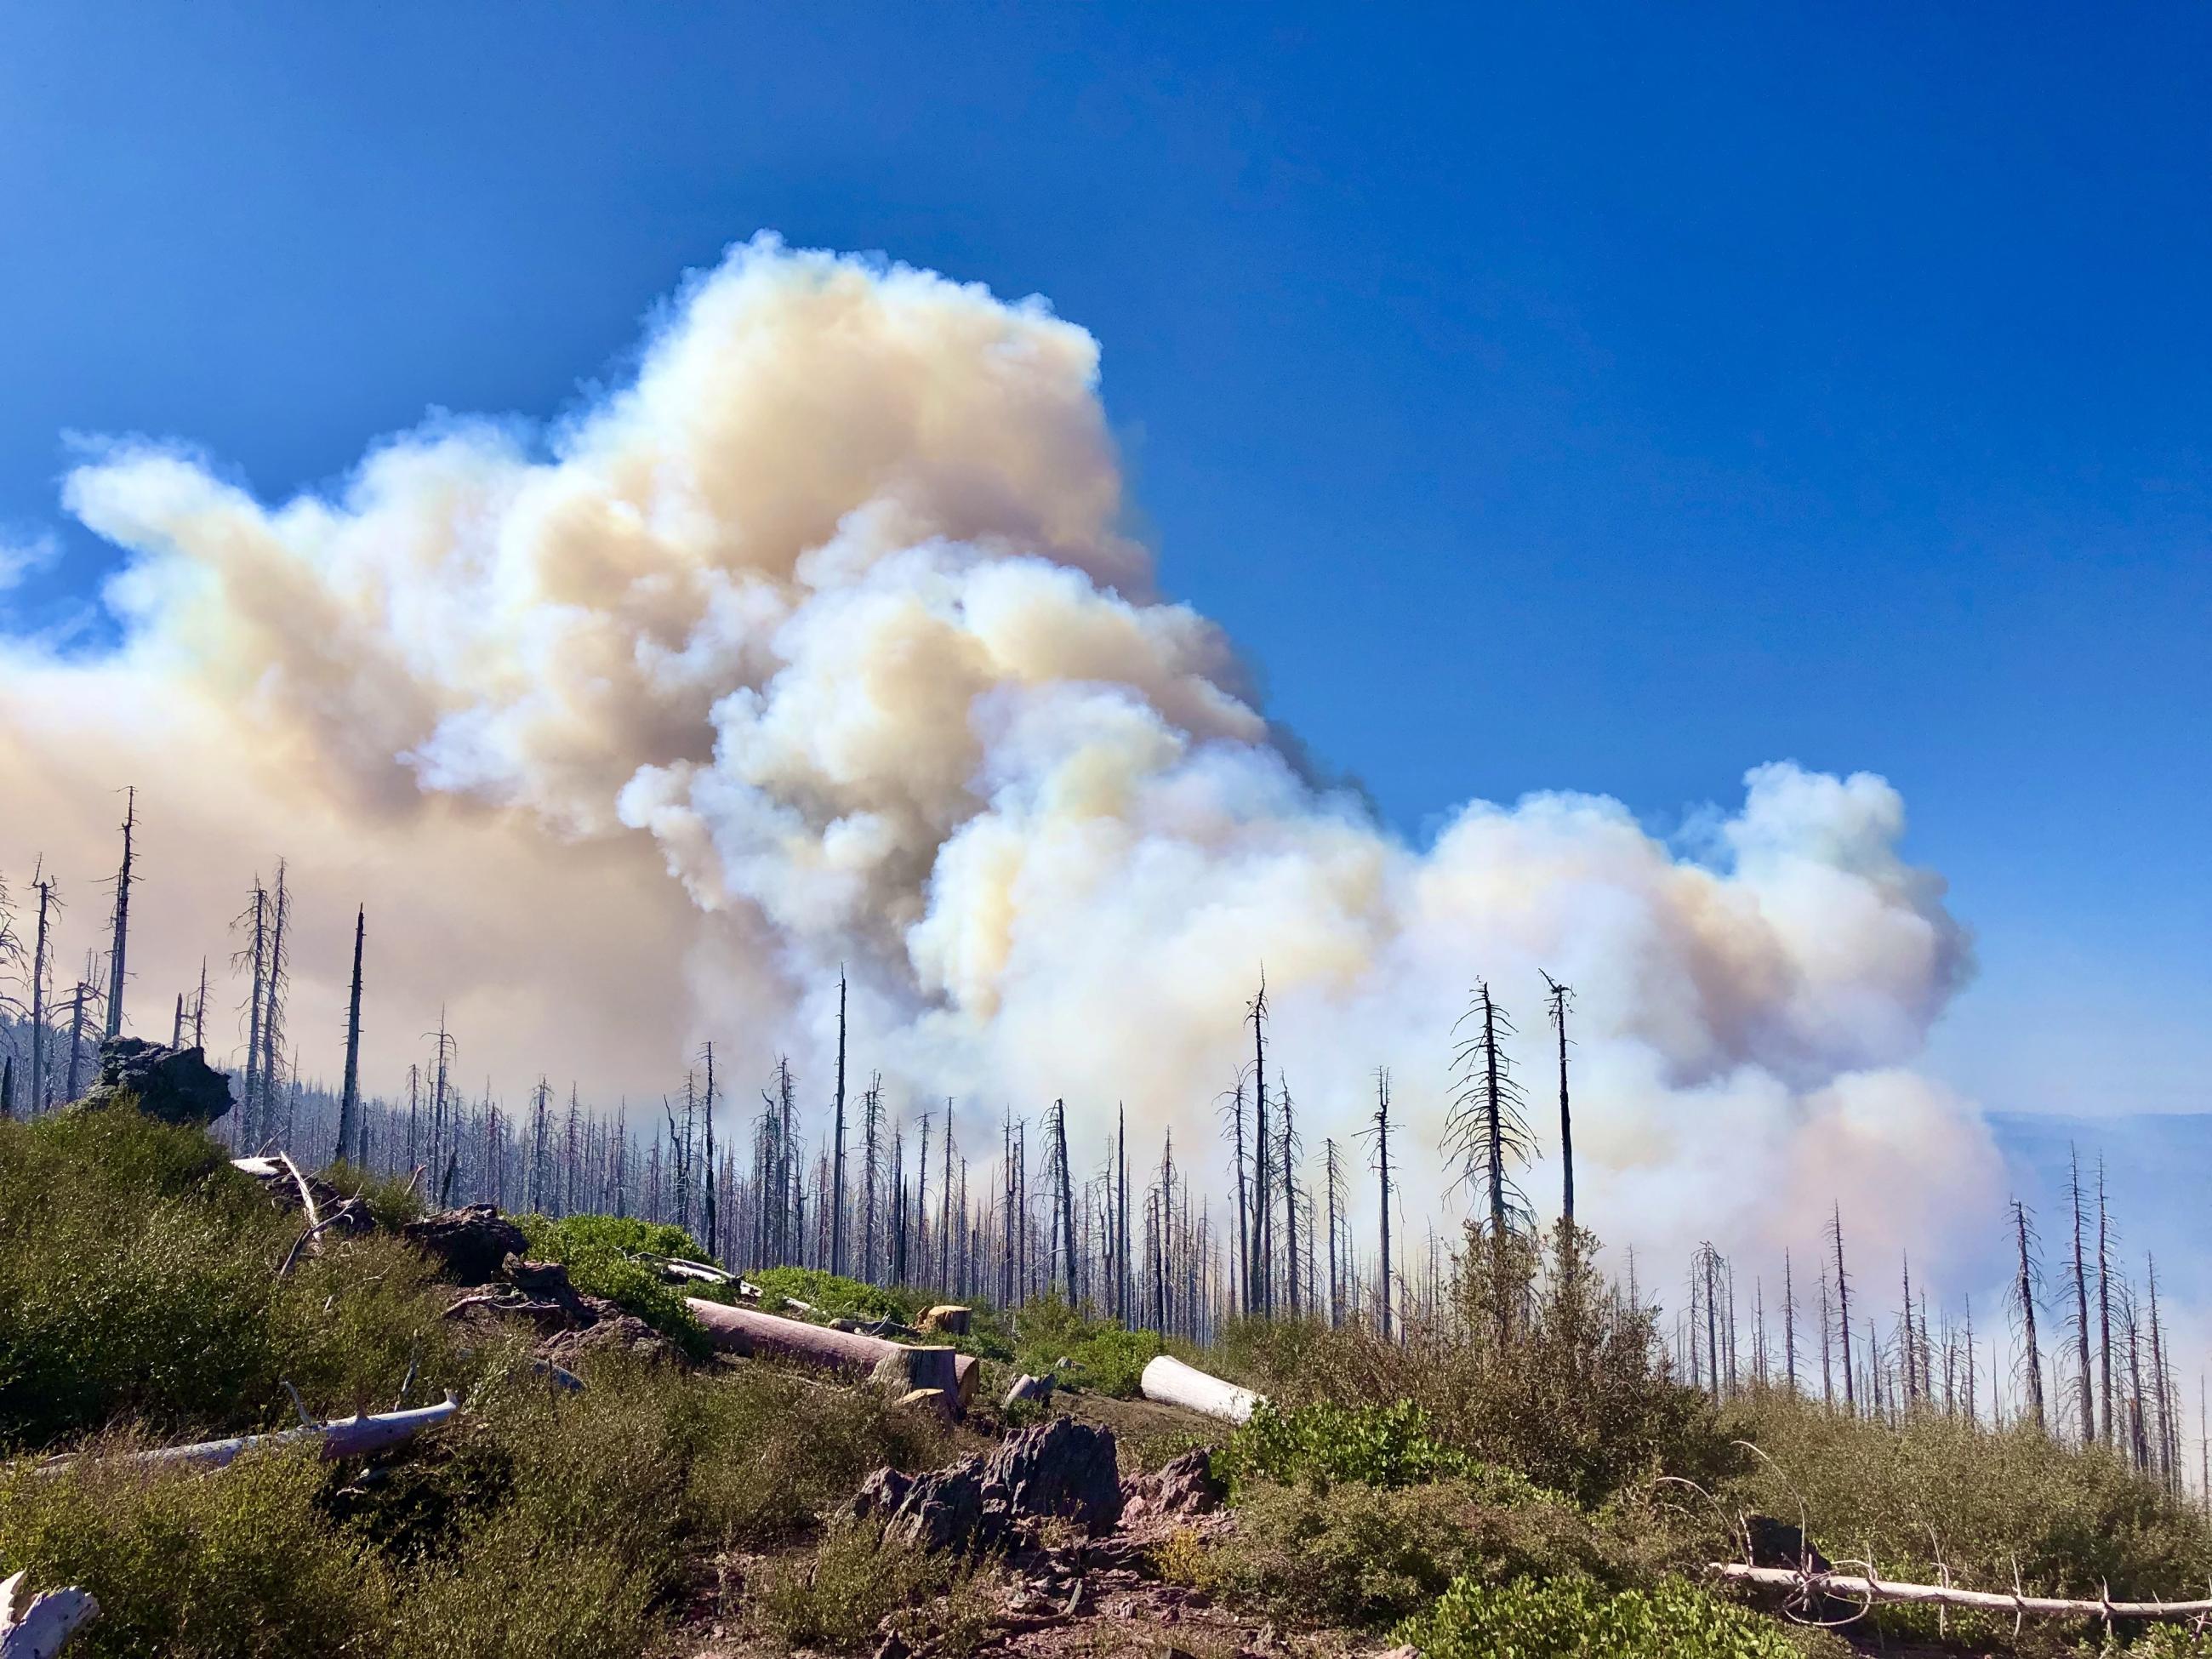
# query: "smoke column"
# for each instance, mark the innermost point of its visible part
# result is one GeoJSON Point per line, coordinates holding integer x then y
{"type": "Point", "coordinates": [817, 643]}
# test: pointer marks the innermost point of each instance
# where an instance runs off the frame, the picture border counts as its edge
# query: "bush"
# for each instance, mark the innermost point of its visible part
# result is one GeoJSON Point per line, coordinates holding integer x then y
{"type": "Point", "coordinates": [837, 1596]}
{"type": "Point", "coordinates": [1575, 1618]}
{"type": "Point", "coordinates": [1362, 1555]}
{"type": "Point", "coordinates": [832, 1295]}
{"type": "Point", "coordinates": [1101, 1356]}
{"type": "Point", "coordinates": [601, 1255]}
{"type": "Point", "coordinates": [2077, 1519]}
{"type": "Point", "coordinates": [205, 1563]}
{"type": "Point", "coordinates": [139, 1279]}
{"type": "Point", "coordinates": [1537, 1368]}
{"type": "Point", "coordinates": [1392, 1445]}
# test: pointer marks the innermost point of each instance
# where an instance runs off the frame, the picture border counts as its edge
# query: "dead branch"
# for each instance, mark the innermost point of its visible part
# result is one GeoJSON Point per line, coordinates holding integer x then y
{"type": "Point", "coordinates": [45, 1623]}
{"type": "Point", "coordinates": [341, 1437]}
{"type": "Point", "coordinates": [1805, 1586]}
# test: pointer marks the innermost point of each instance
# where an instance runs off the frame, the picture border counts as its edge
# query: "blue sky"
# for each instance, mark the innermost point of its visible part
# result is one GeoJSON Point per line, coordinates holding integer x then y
{"type": "Point", "coordinates": [1596, 399]}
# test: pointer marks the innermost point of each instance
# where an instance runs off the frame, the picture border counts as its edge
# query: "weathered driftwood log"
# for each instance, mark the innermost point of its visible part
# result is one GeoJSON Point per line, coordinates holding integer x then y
{"type": "Point", "coordinates": [1171, 1382]}
{"type": "Point", "coordinates": [341, 1437]}
{"type": "Point", "coordinates": [744, 1331]}
{"type": "Point", "coordinates": [1844, 1586]}
{"type": "Point", "coordinates": [38, 1630]}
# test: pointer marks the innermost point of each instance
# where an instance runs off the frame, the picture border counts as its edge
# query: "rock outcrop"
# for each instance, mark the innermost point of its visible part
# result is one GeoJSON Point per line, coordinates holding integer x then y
{"type": "Point", "coordinates": [470, 1242]}
{"type": "Point", "coordinates": [176, 1085]}
{"type": "Point", "coordinates": [1060, 1470]}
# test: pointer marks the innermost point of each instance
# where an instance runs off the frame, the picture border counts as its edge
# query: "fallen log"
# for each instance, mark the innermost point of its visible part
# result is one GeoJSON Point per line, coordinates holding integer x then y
{"type": "Point", "coordinates": [49, 1620]}
{"type": "Point", "coordinates": [744, 1331]}
{"type": "Point", "coordinates": [341, 1437]}
{"type": "Point", "coordinates": [1844, 1586]}
{"type": "Point", "coordinates": [1171, 1382]}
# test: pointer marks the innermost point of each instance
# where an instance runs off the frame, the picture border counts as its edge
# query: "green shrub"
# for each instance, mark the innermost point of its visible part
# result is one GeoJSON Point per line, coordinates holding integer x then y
{"type": "Point", "coordinates": [1392, 1445]}
{"type": "Point", "coordinates": [203, 1563]}
{"type": "Point", "coordinates": [836, 1596]}
{"type": "Point", "coordinates": [138, 1278]}
{"type": "Point", "coordinates": [832, 1296]}
{"type": "Point", "coordinates": [389, 1200]}
{"type": "Point", "coordinates": [1366, 1555]}
{"type": "Point", "coordinates": [2077, 1519]}
{"type": "Point", "coordinates": [1101, 1356]}
{"type": "Point", "coordinates": [1577, 1618]}
{"type": "Point", "coordinates": [601, 1255]}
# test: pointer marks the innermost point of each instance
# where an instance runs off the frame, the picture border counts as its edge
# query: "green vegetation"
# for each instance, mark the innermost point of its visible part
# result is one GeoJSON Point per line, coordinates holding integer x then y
{"type": "Point", "coordinates": [838, 1597]}
{"type": "Point", "coordinates": [139, 1281]}
{"type": "Point", "coordinates": [1574, 1618]}
{"type": "Point", "coordinates": [601, 1253]}
{"type": "Point", "coordinates": [1489, 1485]}
{"type": "Point", "coordinates": [831, 1296]}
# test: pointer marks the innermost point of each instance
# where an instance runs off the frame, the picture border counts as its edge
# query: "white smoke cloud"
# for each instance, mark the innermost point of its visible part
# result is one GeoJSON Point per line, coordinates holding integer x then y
{"type": "Point", "coordinates": [818, 643]}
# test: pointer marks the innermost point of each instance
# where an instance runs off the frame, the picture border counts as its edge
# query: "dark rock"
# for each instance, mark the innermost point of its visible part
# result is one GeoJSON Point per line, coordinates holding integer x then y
{"type": "Point", "coordinates": [1059, 1470]}
{"type": "Point", "coordinates": [1777, 1544]}
{"type": "Point", "coordinates": [1183, 1486]}
{"type": "Point", "coordinates": [880, 1495]}
{"type": "Point", "coordinates": [1062, 1468]}
{"type": "Point", "coordinates": [176, 1085]}
{"type": "Point", "coordinates": [470, 1242]}
{"type": "Point", "coordinates": [609, 1329]}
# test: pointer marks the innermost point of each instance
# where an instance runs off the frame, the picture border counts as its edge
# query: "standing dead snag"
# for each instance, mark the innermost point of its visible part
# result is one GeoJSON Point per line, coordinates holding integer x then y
{"type": "Point", "coordinates": [2104, 1311]}
{"type": "Point", "coordinates": [115, 961]}
{"type": "Point", "coordinates": [2087, 1396]}
{"type": "Point", "coordinates": [1485, 1129]}
{"type": "Point", "coordinates": [352, 1131]}
{"type": "Point", "coordinates": [837, 1179]}
{"type": "Point", "coordinates": [1291, 1148]}
{"type": "Point", "coordinates": [1561, 996]}
{"type": "Point", "coordinates": [2025, 1292]}
{"type": "Point", "coordinates": [43, 884]}
{"type": "Point", "coordinates": [1379, 1128]}
{"type": "Point", "coordinates": [1842, 1304]}
{"type": "Point", "coordinates": [1259, 1271]}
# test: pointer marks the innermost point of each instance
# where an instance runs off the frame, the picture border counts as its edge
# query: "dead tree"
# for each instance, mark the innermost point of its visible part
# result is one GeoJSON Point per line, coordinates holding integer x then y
{"type": "Point", "coordinates": [2104, 1311]}
{"type": "Point", "coordinates": [1789, 1324]}
{"type": "Point", "coordinates": [1122, 1212]}
{"type": "Point", "coordinates": [2087, 1397]}
{"type": "Point", "coordinates": [272, 1011]}
{"type": "Point", "coordinates": [1243, 1263]}
{"type": "Point", "coordinates": [116, 952]}
{"type": "Point", "coordinates": [837, 1181]}
{"type": "Point", "coordinates": [713, 1232]}
{"type": "Point", "coordinates": [1379, 1129]}
{"type": "Point", "coordinates": [1066, 1199]}
{"type": "Point", "coordinates": [2024, 1290]}
{"type": "Point", "coordinates": [872, 1123]}
{"type": "Point", "coordinates": [43, 884]}
{"type": "Point", "coordinates": [1333, 1179]}
{"type": "Point", "coordinates": [1842, 1304]}
{"type": "Point", "coordinates": [1259, 1279]}
{"type": "Point", "coordinates": [257, 910]}
{"type": "Point", "coordinates": [1561, 998]}
{"type": "Point", "coordinates": [1485, 1130]}
{"type": "Point", "coordinates": [352, 1131]}
{"type": "Point", "coordinates": [1291, 1147]}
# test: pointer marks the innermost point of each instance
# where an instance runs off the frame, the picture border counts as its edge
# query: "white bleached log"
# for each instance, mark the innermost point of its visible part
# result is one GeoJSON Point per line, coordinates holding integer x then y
{"type": "Point", "coordinates": [745, 1331]}
{"type": "Point", "coordinates": [1171, 1382]}
{"type": "Point", "coordinates": [1852, 1587]}
{"type": "Point", "coordinates": [48, 1621]}
{"type": "Point", "coordinates": [341, 1437]}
